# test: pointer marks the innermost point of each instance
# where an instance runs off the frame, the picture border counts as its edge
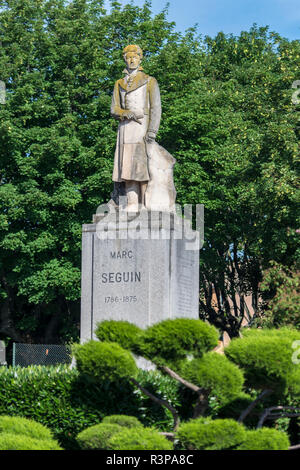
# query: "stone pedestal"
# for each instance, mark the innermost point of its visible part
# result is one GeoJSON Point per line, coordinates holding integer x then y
{"type": "Point", "coordinates": [143, 269]}
{"type": "Point", "coordinates": [2, 354]}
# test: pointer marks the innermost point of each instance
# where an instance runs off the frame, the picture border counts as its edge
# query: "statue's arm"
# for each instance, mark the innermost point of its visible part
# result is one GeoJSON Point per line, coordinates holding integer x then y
{"type": "Point", "coordinates": [115, 110]}
{"type": "Point", "coordinates": [155, 106]}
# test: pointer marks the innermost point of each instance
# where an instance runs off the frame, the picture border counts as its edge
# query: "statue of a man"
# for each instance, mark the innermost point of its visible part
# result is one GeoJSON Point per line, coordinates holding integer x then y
{"type": "Point", "coordinates": [136, 103]}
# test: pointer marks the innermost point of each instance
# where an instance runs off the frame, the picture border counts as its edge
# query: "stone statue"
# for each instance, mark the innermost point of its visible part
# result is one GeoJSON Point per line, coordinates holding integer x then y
{"type": "Point", "coordinates": [140, 164]}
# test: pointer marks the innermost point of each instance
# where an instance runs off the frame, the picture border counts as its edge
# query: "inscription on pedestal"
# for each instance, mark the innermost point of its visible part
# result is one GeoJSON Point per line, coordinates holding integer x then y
{"type": "Point", "coordinates": [120, 282]}
{"type": "Point", "coordinates": [140, 280]}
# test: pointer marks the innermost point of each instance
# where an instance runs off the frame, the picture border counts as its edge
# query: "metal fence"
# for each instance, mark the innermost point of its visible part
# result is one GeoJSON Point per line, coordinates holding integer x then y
{"type": "Point", "coordinates": [40, 354]}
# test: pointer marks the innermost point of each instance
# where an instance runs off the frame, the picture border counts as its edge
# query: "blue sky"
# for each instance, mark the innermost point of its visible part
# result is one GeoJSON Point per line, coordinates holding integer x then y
{"type": "Point", "coordinates": [232, 16]}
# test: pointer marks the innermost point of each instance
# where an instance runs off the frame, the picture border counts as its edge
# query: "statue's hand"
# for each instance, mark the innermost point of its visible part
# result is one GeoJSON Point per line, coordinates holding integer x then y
{"type": "Point", "coordinates": [150, 137]}
{"type": "Point", "coordinates": [131, 115]}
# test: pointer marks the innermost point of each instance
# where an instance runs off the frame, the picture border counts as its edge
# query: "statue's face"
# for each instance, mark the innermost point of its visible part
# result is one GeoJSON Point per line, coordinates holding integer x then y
{"type": "Point", "coordinates": [132, 60]}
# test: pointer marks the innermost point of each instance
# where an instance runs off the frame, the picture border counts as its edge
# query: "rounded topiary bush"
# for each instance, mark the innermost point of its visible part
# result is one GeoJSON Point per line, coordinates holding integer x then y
{"type": "Point", "coordinates": [173, 340]}
{"type": "Point", "coordinates": [266, 358]}
{"type": "Point", "coordinates": [9, 441]}
{"type": "Point", "coordinates": [104, 361]}
{"type": "Point", "coordinates": [265, 439]}
{"type": "Point", "coordinates": [207, 434]}
{"type": "Point", "coordinates": [123, 420]}
{"type": "Point", "coordinates": [24, 426]}
{"type": "Point", "coordinates": [97, 437]}
{"type": "Point", "coordinates": [234, 408]}
{"type": "Point", "coordinates": [139, 439]}
{"type": "Point", "coordinates": [216, 373]}
{"type": "Point", "coordinates": [124, 333]}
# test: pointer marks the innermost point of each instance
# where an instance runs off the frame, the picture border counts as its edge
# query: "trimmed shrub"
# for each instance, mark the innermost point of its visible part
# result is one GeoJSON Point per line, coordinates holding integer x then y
{"type": "Point", "coordinates": [207, 434]}
{"type": "Point", "coordinates": [235, 407]}
{"type": "Point", "coordinates": [104, 361]}
{"type": "Point", "coordinates": [139, 439]}
{"type": "Point", "coordinates": [25, 427]}
{"type": "Point", "coordinates": [67, 403]}
{"type": "Point", "coordinates": [265, 439]}
{"type": "Point", "coordinates": [266, 357]}
{"type": "Point", "coordinates": [122, 420]}
{"type": "Point", "coordinates": [21, 442]}
{"type": "Point", "coordinates": [290, 334]}
{"type": "Point", "coordinates": [216, 373]}
{"type": "Point", "coordinates": [97, 437]}
{"type": "Point", "coordinates": [173, 340]}
{"type": "Point", "coordinates": [126, 334]}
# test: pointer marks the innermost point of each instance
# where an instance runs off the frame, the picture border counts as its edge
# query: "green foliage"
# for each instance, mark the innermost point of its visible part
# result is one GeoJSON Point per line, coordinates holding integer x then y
{"type": "Point", "coordinates": [122, 420]}
{"type": "Point", "coordinates": [207, 434]}
{"type": "Point", "coordinates": [228, 119]}
{"type": "Point", "coordinates": [164, 387]}
{"type": "Point", "coordinates": [97, 437]}
{"type": "Point", "coordinates": [265, 439]}
{"type": "Point", "coordinates": [24, 442]}
{"type": "Point", "coordinates": [215, 373]}
{"type": "Point", "coordinates": [25, 427]}
{"type": "Point", "coordinates": [234, 408]}
{"type": "Point", "coordinates": [104, 361]}
{"type": "Point", "coordinates": [52, 396]}
{"type": "Point", "coordinates": [281, 291]}
{"type": "Point", "coordinates": [173, 340]}
{"type": "Point", "coordinates": [231, 124]}
{"type": "Point", "coordinates": [57, 138]}
{"type": "Point", "coordinates": [266, 358]}
{"type": "Point", "coordinates": [61, 399]}
{"type": "Point", "coordinates": [122, 332]}
{"type": "Point", "coordinates": [139, 439]}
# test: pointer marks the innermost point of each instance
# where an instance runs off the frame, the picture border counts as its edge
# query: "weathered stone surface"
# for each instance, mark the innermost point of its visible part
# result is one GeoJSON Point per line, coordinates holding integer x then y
{"type": "Point", "coordinates": [160, 194]}
{"type": "Point", "coordinates": [144, 168]}
{"type": "Point", "coordinates": [144, 276]}
{"type": "Point", "coordinates": [2, 353]}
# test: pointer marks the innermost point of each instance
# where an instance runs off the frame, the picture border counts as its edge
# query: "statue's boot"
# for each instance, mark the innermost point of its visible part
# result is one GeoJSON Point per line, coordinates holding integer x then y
{"type": "Point", "coordinates": [132, 194]}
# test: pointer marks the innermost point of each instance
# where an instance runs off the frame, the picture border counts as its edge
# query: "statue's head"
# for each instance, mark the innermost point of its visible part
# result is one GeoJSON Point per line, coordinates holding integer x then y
{"type": "Point", "coordinates": [132, 55]}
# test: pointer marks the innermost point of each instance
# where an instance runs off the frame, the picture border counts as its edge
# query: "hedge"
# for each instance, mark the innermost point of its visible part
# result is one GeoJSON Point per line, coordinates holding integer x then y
{"type": "Point", "coordinates": [265, 439]}
{"type": "Point", "coordinates": [20, 442]}
{"type": "Point", "coordinates": [216, 373]}
{"type": "Point", "coordinates": [126, 334]}
{"type": "Point", "coordinates": [59, 398]}
{"type": "Point", "coordinates": [266, 358]}
{"type": "Point", "coordinates": [123, 420]}
{"type": "Point", "coordinates": [173, 340]}
{"type": "Point", "coordinates": [104, 361]}
{"type": "Point", "coordinates": [97, 437]}
{"type": "Point", "coordinates": [207, 434]}
{"type": "Point", "coordinates": [139, 439]}
{"type": "Point", "coordinates": [25, 427]}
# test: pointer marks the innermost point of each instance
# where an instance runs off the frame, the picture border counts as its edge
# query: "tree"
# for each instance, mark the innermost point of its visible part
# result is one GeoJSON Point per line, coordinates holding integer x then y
{"type": "Point", "coordinates": [234, 131]}
{"type": "Point", "coordinates": [228, 119]}
{"type": "Point", "coordinates": [280, 290]}
{"type": "Point", "coordinates": [179, 348]}
{"type": "Point", "coordinates": [59, 60]}
{"type": "Point", "coordinates": [264, 356]}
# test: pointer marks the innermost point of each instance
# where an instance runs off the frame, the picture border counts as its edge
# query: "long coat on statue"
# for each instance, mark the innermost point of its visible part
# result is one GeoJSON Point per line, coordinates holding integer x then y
{"type": "Point", "coordinates": [139, 93]}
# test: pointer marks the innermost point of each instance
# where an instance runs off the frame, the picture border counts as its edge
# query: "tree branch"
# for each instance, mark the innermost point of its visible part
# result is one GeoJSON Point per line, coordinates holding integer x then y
{"type": "Point", "coordinates": [294, 447]}
{"type": "Point", "coordinates": [160, 402]}
{"type": "Point", "coordinates": [252, 405]}
{"type": "Point", "coordinates": [202, 402]}
{"type": "Point", "coordinates": [177, 377]}
{"type": "Point", "coordinates": [267, 414]}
